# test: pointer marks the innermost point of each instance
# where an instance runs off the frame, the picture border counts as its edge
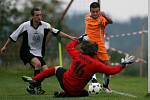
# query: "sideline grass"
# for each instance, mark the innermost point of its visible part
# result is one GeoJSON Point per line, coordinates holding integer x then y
{"type": "Point", "coordinates": [13, 88]}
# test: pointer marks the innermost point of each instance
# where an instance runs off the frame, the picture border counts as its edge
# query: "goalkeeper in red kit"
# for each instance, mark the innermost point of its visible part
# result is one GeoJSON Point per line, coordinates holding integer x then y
{"type": "Point", "coordinates": [74, 80]}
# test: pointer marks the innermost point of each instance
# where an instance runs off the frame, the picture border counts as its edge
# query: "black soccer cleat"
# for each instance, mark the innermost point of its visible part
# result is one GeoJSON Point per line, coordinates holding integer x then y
{"type": "Point", "coordinates": [29, 79]}
{"type": "Point", "coordinates": [31, 90]}
{"type": "Point", "coordinates": [59, 94]}
{"type": "Point", "coordinates": [26, 78]}
{"type": "Point", "coordinates": [39, 90]}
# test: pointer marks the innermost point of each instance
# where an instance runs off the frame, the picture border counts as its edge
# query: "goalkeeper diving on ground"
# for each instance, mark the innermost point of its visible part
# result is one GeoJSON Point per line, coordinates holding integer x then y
{"type": "Point", "coordinates": [83, 66]}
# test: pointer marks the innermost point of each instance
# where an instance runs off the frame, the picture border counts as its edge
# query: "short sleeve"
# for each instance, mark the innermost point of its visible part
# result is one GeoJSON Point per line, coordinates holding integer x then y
{"type": "Point", "coordinates": [14, 36]}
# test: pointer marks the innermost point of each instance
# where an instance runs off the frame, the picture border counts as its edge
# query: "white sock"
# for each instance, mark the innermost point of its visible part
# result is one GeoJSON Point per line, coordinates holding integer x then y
{"type": "Point", "coordinates": [94, 76]}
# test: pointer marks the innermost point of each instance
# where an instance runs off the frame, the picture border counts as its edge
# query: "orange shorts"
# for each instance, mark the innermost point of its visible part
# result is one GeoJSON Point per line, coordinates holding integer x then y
{"type": "Point", "coordinates": [102, 56]}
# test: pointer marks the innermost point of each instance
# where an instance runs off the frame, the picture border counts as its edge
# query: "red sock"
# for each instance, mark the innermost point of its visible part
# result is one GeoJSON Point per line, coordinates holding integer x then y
{"type": "Point", "coordinates": [49, 72]}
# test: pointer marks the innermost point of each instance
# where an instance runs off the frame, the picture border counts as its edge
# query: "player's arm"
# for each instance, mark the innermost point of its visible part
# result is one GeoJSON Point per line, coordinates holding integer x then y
{"type": "Point", "coordinates": [62, 34]}
{"type": "Point", "coordinates": [12, 38]}
{"type": "Point", "coordinates": [109, 20]}
{"type": "Point", "coordinates": [71, 48]}
{"type": "Point", "coordinates": [57, 32]}
{"type": "Point", "coordinates": [72, 51]}
{"type": "Point", "coordinates": [102, 68]}
{"type": "Point", "coordinates": [3, 49]}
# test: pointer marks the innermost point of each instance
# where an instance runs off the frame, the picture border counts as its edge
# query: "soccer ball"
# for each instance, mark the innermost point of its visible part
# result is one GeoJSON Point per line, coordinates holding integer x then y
{"type": "Point", "coordinates": [94, 88]}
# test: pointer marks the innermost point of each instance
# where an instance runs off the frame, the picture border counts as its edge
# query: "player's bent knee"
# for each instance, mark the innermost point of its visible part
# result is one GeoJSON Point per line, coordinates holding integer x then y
{"type": "Point", "coordinates": [35, 62]}
{"type": "Point", "coordinates": [37, 66]}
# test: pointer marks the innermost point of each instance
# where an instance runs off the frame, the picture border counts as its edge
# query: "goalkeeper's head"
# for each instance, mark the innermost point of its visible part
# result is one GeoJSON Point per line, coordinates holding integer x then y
{"type": "Point", "coordinates": [89, 48]}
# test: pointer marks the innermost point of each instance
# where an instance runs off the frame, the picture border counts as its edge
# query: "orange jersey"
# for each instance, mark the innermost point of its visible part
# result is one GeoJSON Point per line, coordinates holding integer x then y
{"type": "Point", "coordinates": [95, 31]}
{"type": "Point", "coordinates": [94, 28]}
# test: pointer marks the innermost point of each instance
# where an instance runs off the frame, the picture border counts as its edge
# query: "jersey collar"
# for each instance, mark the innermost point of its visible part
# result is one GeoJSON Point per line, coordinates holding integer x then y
{"type": "Point", "coordinates": [31, 23]}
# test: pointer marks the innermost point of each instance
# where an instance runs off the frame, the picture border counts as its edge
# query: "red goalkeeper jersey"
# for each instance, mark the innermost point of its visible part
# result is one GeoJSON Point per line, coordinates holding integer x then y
{"type": "Point", "coordinates": [82, 69]}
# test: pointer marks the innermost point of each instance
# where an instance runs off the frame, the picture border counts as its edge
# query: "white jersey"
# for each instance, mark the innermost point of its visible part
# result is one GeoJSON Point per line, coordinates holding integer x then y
{"type": "Point", "coordinates": [33, 38]}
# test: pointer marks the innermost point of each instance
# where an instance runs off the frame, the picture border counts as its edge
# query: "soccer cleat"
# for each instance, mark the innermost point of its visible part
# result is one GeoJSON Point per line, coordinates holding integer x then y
{"type": "Point", "coordinates": [34, 87]}
{"type": "Point", "coordinates": [29, 79]}
{"type": "Point", "coordinates": [26, 78]}
{"type": "Point", "coordinates": [39, 90]}
{"type": "Point", "coordinates": [56, 94]}
{"type": "Point", "coordinates": [30, 90]}
{"type": "Point", "coordinates": [107, 89]}
{"type": "Point", "coordinates": [59, 94]}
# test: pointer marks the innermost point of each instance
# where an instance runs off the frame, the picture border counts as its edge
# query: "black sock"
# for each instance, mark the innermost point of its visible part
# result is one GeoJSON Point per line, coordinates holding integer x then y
{"type": "Point", "coordinates": [106, 83]}
{"type": "Point", "coordinates": [36, 72]}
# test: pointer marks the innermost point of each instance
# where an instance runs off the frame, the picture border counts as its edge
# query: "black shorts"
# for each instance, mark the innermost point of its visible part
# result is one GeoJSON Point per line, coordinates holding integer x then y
{"type": "Point", "coordinates": [59, 75]}
{"type": "Point", "coordinates": [26, 58]}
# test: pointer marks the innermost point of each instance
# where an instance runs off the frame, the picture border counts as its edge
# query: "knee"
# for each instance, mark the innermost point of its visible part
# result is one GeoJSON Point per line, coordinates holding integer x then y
{"type": "Point", "coordinates": [36, 64]}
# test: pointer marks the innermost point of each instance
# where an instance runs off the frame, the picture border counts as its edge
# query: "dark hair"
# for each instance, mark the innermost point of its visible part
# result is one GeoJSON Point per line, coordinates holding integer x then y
{"type": "Point", "coordinates": [35, 9]}
{"type": "Point", "coordinates": [94, 5]}
{"type": "Point", "coordinates": [89, 48]}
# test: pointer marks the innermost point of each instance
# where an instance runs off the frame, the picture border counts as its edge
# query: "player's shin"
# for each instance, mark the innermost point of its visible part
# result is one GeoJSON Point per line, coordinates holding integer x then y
{"type": "Point", "coordinates": [106, 79]}
{"type": "Point", "coordinates": [49, 72]}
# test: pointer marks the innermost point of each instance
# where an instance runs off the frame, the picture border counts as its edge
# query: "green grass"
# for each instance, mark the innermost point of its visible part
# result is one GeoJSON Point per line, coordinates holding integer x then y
{"type": "Point", "coordinates": [13, 88]}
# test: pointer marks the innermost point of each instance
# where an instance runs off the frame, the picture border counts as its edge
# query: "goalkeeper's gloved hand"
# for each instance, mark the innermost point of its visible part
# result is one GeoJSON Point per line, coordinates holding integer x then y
{"type": "Point", "coordinates": [83, 38]}
{"type": "Point", "coordinates": [127, 60]}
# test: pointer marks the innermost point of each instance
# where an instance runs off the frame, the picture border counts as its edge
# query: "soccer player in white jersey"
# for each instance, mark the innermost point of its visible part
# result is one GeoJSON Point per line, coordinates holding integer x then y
{"type": "Point", "coordinates": [34, 33]}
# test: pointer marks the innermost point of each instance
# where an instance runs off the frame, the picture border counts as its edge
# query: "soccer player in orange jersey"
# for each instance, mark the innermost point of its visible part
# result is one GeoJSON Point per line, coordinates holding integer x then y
{"type": "Point", "coordinates": [95, 24]}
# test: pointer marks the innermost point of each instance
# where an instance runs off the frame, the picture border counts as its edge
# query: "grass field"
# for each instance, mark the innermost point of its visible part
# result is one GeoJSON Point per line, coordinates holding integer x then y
{"type": "Point", "coordinates": [13, 88]}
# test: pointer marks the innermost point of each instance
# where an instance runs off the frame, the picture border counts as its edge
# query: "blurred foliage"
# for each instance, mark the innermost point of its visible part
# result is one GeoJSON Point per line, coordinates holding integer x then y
{"type": "Point", "coordinates": [14, 12]}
